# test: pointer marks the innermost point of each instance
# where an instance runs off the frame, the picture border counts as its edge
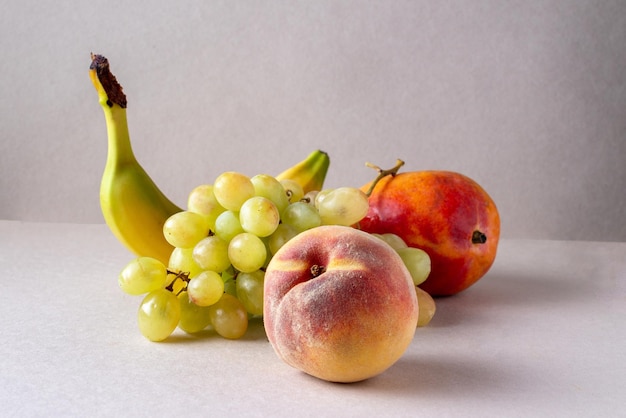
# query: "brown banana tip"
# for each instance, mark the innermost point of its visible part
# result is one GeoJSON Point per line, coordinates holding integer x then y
{"type": "Point", "coordinates": [111, 87]}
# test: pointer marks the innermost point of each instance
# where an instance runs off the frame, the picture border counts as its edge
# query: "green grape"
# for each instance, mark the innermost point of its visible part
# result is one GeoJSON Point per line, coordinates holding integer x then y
{"type": "Point", "coordinates": [259, 216]}
{"type": "Point", "coordinates": [211, 253]}
{"type": "Point", "coordinates": [227, 225]}
{"type": "Point", "coordinates": [320, 196]}
{"type": "Point", "coordinates": [142, 275]}
{"type": "Point", "coordinates": [250, 291]}
{"type": "Point", "coordinates": [201, 200]}
{"type": "Point", "coordinates": [301, 216]}
{"type": "Point", "coordinates": [268, 253]}
{"type": "Point", "coordinates": [206, 288]}
{"type": "Point", "coordinates": [293, 189]}
{"type": "Point", "coordinates": [247, 252]}
{"type": "Point", "coordinates": [184, 229]}
{"type": "Point", "coordinates": [158, 315]}
{"type": "Point", "coordinates": [282, 234]}
{"type": "Point", "coordinates": [228, 277]}
{"type": "Point", "coordinates": [228, 274]}
{"type": "Point", "coordinates": [417, 262]}
{"type": "Point", "coordinates": [310, 197]}
{"type": "Point", "coordinates": [181, 259]}
{"type": "Point", "coordinates": [427, 307]}
{"type": "Point", "coordinates": [231, 189]}
{"type": "Point", "coordinates": [193, 318]}
{"type": "Point", "coordinates": [230, 287]}
{"type": "Point", "coordinates": [342, 206]}
{"type": "Point", "coordinates": [229, 317]}
{"type": "Point", "coordinates": [270, 188]}
{"type": "Point", "coordinates": [393, 240]}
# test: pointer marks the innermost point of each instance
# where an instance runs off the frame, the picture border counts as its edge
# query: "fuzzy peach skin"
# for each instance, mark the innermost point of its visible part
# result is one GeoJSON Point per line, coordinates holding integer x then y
{"type": "Point", "coordinates": [444, 213]}
{"type": "Point", "coordinates": [347, 322]}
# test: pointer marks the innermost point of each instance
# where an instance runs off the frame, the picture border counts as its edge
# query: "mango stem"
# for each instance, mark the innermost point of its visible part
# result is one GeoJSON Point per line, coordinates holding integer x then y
{"type": "Point", "coordinates": [383, 173]}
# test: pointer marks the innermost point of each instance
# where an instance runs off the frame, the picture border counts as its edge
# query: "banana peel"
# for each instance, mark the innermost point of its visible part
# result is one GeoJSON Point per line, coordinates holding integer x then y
{"type": "Point", "coordinates": [133, 206]}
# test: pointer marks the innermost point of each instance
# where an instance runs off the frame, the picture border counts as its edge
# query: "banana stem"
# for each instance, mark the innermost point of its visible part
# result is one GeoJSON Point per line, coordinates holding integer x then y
{"type": "Point", "coordinates": [113, 102]}
{"type": "Point", "coordinates": [105, 82]}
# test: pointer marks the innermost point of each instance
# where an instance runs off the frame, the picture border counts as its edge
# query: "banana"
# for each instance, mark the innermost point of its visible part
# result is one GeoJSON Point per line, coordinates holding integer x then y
{"type": "Point", "coordinates": [310, 173]}
{"type": "Point", "coordinates": [133, 206]}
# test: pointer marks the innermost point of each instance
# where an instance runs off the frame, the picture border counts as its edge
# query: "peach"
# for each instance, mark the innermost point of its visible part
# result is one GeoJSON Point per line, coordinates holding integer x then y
{"type": "Point", "coordinates": [444, 213]}
{"type": "Point", "coordinates": [339, 304]}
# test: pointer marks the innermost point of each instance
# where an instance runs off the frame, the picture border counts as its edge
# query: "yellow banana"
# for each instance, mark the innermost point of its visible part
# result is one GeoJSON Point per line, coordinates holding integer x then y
{"type": "Point", "coordinates": [133, 206]}
{"type": "Point", "coordinates": [310, 173]}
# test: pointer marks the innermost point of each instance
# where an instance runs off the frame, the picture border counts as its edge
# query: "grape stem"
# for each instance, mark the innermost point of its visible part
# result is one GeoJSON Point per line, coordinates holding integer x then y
{"type": "Point", "coordinates": [383, 173]}
{"type": "Point", "coordinates": [184, 276]}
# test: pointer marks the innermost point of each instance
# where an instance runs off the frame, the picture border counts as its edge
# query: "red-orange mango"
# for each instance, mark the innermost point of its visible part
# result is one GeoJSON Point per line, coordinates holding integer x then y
{"type": "Point", "coordinates": [446, 214]}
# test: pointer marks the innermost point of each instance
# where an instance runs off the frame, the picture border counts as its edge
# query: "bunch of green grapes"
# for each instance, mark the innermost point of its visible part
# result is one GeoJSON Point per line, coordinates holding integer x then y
{"type": "Point", "coordinates": [222, 244]}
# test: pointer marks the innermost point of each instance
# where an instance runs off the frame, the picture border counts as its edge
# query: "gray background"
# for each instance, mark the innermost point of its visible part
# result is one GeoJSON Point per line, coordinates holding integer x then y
{"type": "Point", "coordinates": [526, 97]}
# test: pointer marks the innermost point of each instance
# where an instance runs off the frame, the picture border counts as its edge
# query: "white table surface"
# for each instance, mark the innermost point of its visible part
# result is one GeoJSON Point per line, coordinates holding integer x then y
{"type": "Point", "coordinates": [542, 334]}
